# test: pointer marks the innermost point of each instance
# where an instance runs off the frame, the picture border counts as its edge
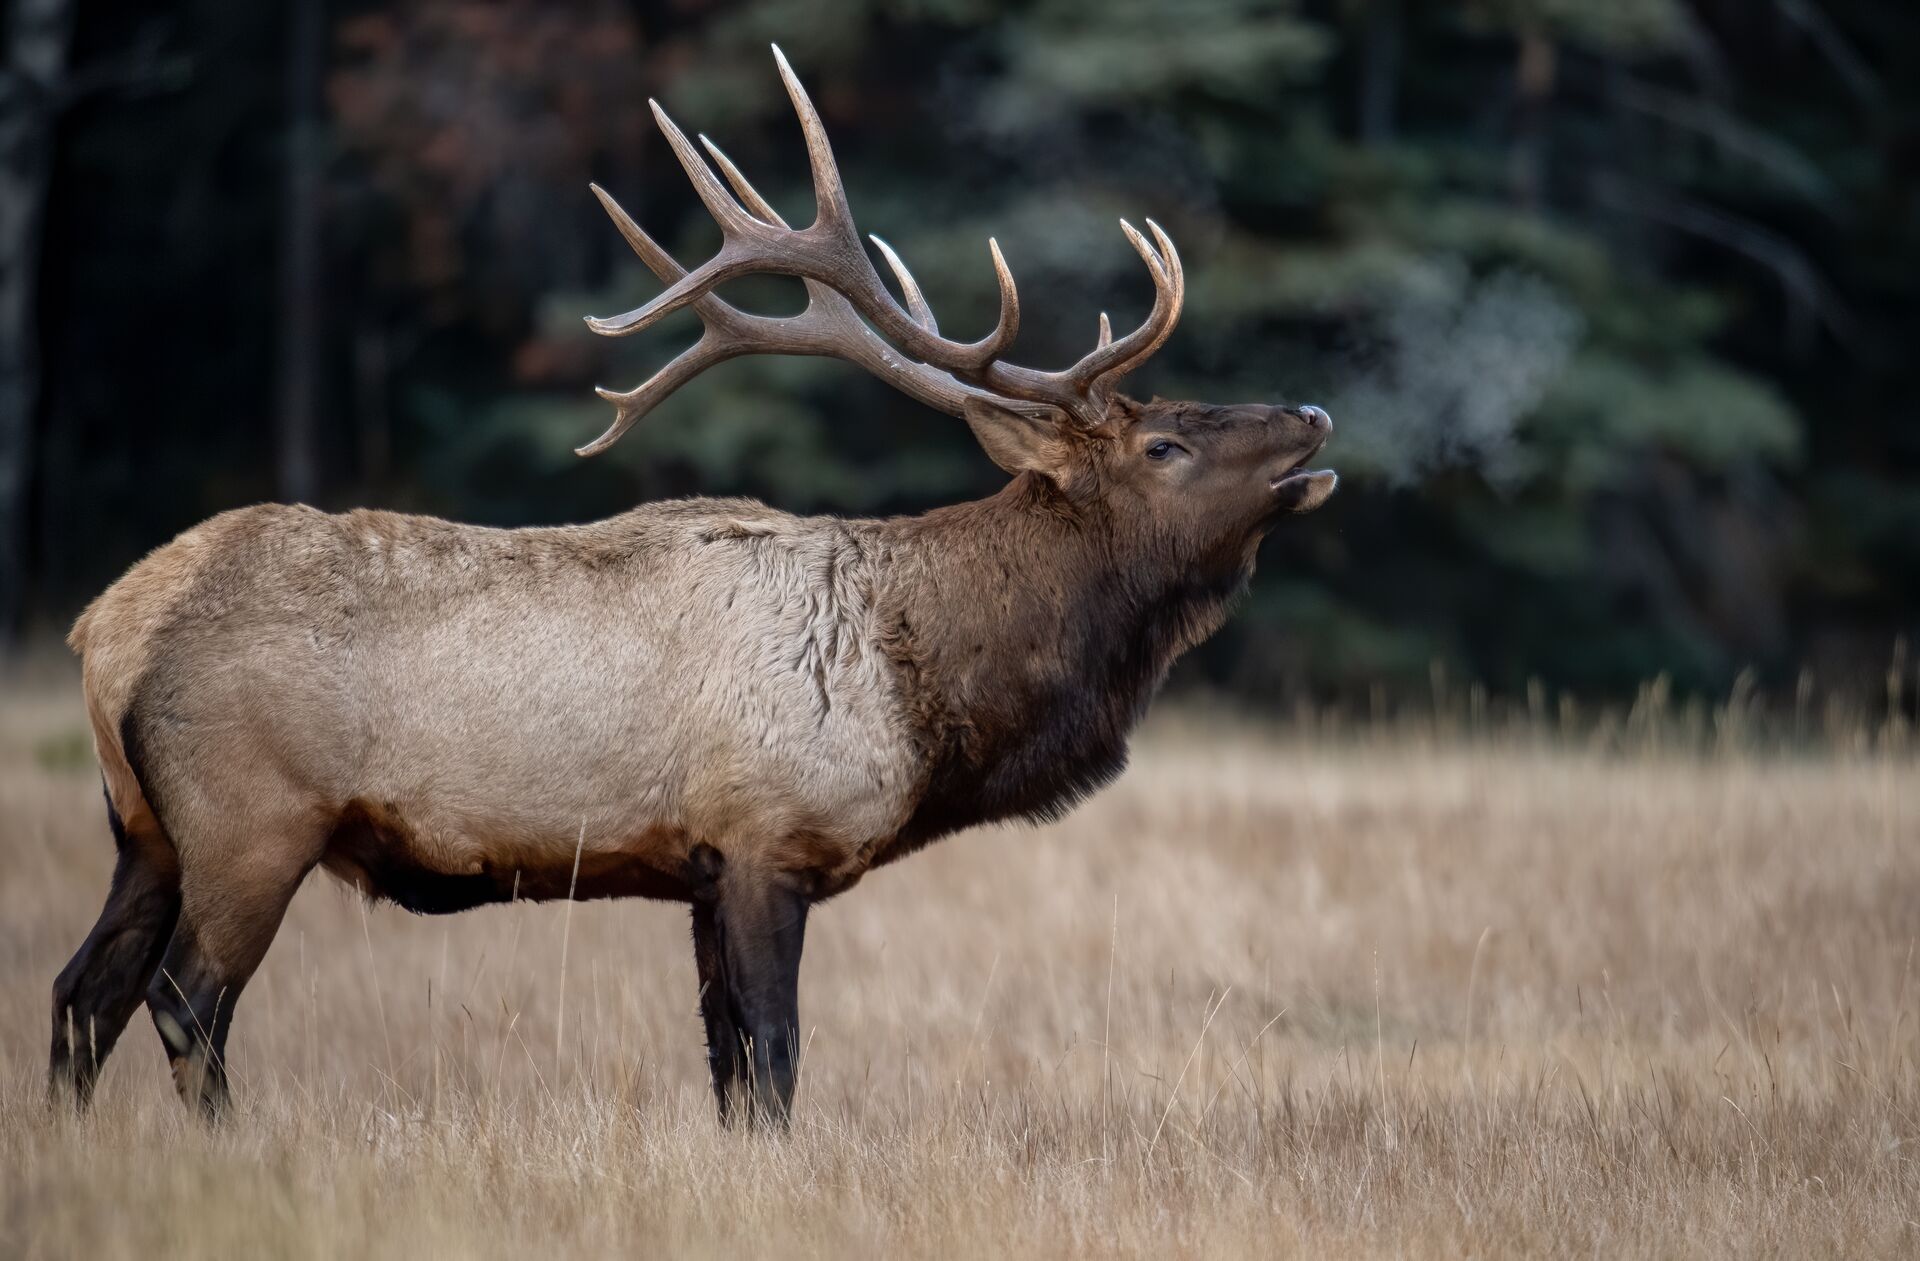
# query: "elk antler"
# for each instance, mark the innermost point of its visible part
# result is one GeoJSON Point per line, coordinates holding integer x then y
{"type": "Point", "coordinates": [845, 294]}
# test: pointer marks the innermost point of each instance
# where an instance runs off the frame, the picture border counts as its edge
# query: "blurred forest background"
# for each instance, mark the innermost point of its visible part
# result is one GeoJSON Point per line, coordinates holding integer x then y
{"type": "Point", "coordinates": [1613, 302]}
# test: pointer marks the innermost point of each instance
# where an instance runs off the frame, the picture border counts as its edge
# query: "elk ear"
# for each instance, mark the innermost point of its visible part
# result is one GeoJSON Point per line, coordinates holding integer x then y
{"type": "Point", "coordinates": [1017, 443]}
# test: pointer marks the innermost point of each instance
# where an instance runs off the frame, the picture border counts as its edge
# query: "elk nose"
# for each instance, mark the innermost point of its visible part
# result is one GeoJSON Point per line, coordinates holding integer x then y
{"type": "Point", "coordinates": [1316, 418]}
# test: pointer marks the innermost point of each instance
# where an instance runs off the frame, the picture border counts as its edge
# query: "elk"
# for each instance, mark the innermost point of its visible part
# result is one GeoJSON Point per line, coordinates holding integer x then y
{"type": "Point", "coordinates": [707, 701]}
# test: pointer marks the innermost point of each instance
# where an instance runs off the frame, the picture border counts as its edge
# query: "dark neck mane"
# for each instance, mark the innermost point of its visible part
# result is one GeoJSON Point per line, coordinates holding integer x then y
{"type": "Point", "coordinates": [1029, 642]}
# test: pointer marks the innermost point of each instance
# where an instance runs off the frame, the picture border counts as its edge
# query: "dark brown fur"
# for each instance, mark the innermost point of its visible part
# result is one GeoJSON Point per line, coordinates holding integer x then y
{"type": "Point", "coordinates": [372, 849]}
{"type": "Point", "coordinates": [1035, 649]}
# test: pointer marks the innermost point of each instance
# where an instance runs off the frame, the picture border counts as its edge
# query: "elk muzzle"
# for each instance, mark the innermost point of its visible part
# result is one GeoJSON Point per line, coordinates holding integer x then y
{"type": "Point", "coordinates": [1297, 488]}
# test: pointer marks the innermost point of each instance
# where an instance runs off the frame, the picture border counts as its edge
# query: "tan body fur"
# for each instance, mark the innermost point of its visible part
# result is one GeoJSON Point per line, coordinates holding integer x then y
{"type": "Point", "coordinates": [495, 699]}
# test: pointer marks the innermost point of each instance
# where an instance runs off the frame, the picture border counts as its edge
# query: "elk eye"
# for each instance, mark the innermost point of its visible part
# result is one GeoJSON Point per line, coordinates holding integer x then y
{"type": "Point", "coordinates": [1160, 450]}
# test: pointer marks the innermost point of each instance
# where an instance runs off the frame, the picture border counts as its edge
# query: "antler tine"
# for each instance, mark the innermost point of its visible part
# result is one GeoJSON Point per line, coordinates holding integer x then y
{"type": "Point", "coordinates": [1009, 325]}
{"type": "Point", "coordinates": [658, 261]}
{"type": "Point", "coordinates": [632, 405]}
{"type": "Point", "coordinates": [690, 288]}
{"type": "Point", "coordinates": [916, 301]}
{"type": "Point", "coordinates": [748, 194]}
{"type": "Point", "coordinates": [718, 201]}
{"type": "Point", "coordinates": [1106, 332]}
{"type": "Point", "coordinates": [1114, 353]}
{"type": "Point", "coordinates": [828, 192]}
{"type": "Point", "coordinates": [1176, 301]}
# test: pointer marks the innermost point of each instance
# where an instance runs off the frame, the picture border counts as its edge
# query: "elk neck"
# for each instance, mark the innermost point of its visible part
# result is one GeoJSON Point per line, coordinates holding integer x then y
{"type": "Point", "coordinates": [1029, 633]}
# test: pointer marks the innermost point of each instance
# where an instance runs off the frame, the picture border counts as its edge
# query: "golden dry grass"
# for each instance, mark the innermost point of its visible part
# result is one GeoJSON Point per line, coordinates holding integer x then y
{"type": "Point", "coordinates": [1269, 995]}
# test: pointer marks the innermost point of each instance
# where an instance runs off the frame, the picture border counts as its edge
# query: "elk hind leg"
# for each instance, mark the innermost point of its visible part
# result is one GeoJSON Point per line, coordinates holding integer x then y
{"type": "Point", "coordinates": [229, 914]}
{"type": "Point", "coordinates": [96, 993]}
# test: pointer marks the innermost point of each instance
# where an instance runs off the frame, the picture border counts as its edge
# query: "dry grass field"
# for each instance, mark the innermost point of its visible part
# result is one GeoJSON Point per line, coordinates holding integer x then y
{"type": "Point", "coordinates": [1276, 993]}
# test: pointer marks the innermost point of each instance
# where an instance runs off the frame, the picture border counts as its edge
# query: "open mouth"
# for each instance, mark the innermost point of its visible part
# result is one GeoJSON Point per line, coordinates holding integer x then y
{"type": "Point", "coordinates": [1298, 470]}
{"type": "Point", "coordinates": [1301, 489]}
{"type": "Point", "coordinates": [1299, 474]}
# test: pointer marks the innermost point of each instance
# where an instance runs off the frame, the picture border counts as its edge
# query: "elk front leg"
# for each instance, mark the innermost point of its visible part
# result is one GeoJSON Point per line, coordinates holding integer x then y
{"type": "Point", "coordinates": [748, 931]}
{"type": "Point", "coordinates": [726, 1057]}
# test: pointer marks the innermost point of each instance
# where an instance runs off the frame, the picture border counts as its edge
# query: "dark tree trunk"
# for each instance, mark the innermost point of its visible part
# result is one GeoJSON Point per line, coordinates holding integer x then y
{"type": "Point", "coordinates": [31, 83]}
{"type": "Point", "coordinates": [1380, 71]}
{"type": "Point", "coordinates": [1534, 72]}
{"type": "Point", "coordinates": [297, 455]}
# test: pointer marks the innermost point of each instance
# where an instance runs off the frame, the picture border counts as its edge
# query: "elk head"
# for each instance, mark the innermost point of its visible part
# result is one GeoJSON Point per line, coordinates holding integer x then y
{"type": "Point", "coordinates": [1203, 480]}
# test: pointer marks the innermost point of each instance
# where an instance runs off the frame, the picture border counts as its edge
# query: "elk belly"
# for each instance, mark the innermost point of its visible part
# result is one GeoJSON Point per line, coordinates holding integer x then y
{"type": "Point", "coordinates": [374, 850]}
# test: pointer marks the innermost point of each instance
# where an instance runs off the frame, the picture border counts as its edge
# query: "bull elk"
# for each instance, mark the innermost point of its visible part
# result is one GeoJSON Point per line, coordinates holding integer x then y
{"type": "Point", "coordinates": [706, 701]}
